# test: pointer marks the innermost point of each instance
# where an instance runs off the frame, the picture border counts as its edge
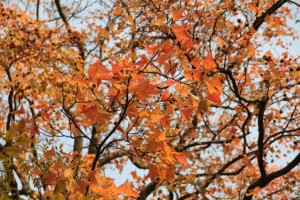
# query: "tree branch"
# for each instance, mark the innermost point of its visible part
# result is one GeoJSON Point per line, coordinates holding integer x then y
{"type": "Point", "coordinates": [261, 135]}
{"type": "Point", "coordinates": [261, 19]}
{"type": "Point", "coordinates": [71, 32]}
{"type": "Point", "coordinates": [144, 193]}
{"type": "Point", "coordinates": [264, 181]}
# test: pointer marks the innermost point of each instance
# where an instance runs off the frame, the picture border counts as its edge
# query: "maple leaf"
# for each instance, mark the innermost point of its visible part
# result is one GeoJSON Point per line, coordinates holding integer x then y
{"type": "Point", "coordinates": [49, 153]}
{"type": "Point", "coordinates": [209, 63]}
{"type": "Point", "coordinates": [34, 131]}
{"type": "Point", "coordinates": [154, 172]}
{"type": "Point", "coordinates": [127, 189]}
{"type": "Point", "coordinates": [181, 159]}
{"type": "Point", "coordinates": [178, 14]}
{"type": "Point", "coordinates": [116, 68]}
{"type": "Point", "coordinates": [82, 185]}
{"type": "Point", "coordinates": [98, 72]}
{"type": "Point", "coordinates": [167, 48]}
{"type": "Point", "coordinates": [156, 115]}
{"type": "Point", "coordinates": [49, 178]}
{"type": "Point", "coordinates": [255, 192]}
{"type": "Point", "coordinates": [186, 80]}
{"type": "Point", "coordinates": [181, 32]}
{"type": "Point", "coordinates": [144, 89]}
{"type": "Point", "coordinates": [196, 63]}
{"type": "Point", "coordinates": [214, 86]}
{"type": "Point", "coordinates": [21, 111]}
{"type": "Point", "coordinates": [186, 114]}
{"type": "Point", "coordinates": [215, 98]}
{"type": "Point", "coordinates": [163, 58]}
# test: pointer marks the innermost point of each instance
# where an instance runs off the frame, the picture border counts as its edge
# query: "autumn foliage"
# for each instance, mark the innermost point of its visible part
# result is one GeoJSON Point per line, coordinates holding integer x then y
{"type": "Point", "coordinates": [197, 99]}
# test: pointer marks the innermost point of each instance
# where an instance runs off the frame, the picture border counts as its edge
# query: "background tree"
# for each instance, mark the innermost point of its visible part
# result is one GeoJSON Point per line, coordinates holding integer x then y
{"type": "Point", "coordinates": [190, 92]}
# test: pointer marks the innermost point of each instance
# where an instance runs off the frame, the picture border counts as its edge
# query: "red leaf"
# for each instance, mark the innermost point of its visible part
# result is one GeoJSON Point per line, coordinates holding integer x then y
{"type": "Point", "coordinates": [93, 179]}
{"type": "Point", "coordinates": [40, 107]}
{"type": "Point", "coordinates": [143, 89]}
{"type": "Point", "coordinates": [269, 54]}
{"type": "Point", "coordinates": [215, 98]}
{"type": "Point", "coordinates": [169, 82]}
{"type": "Point", "coordinates": [34, 131]}
{"type": "Point", "coordinates": [21, 111]}
{"type": "Point", "coordinates": [49, 153]}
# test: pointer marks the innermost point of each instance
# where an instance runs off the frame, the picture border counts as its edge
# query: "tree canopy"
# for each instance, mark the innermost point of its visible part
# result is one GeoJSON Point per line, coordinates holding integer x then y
{"type": "Point", "coordinates": [201, 97]}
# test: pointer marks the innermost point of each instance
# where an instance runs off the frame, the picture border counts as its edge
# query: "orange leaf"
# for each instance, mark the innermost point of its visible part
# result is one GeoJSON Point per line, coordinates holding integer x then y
{"type": "Point", "coordinates": [151, 50]}
{"type": "Point", "coordinates": [98, 72]}
{"type": "Point", "coordinates": [154, 172]}
{"type": "Point", "coordinates": [82, 185]}
{"type": "Point", "coordinates": [169, 82]}
{"type": "Point", "coordinates": [255, 192]}
{"type": "Point", "coordinates": [36, 172]}
{"type": "Point", "coordinates": [82, 106]}
{"type": "Point", "coordinates": [269, 54]}
{"type": "Point", "coordinates": [156, 115]}
{"type": "Point", "coordinates": [209, 63]}
{"type": "Point", "coordinates": [214, 85]}
{"type": "Point", "coordinates": [49, 153]}
{"type": "Point", "coordinates": [178, 14]}
{"type": "Point", "coordinates": [144, 89]}
{"type": "Point", "coordinates": [134, 175]}
{"type": "Point", "coordinates": [127, 189]}
{"type": "Point", "coordinates": [186, 113]}
{"type": "Point", "coordinates": [167, 48]}
{"type": "Point", "coordinates": [181, 32]}
{"type": "Point", "coordinates": [170, 173]}
{"type": "Point", "coordinates": [40, 107]}
{"type": "Point", "coordinates": [251, 50]}
{"type": "Point", "coordinates": [163, 58]}
{"type": "Point", "coordinates": [182, 89]}
{"type": "Point", "coordinates": [116, 68]}
{"type": "Point", "coordinates": [92, 176]}
{"type": "Point", "coordinates": [215, 98]}
{"type": "Point", "coordinates": [195, 63]}
{"type": "Point", "coordinates": [79, 94]}
{"type": "Point", "coordinates": [49, 178]}
{"type": "Point", "coordinates": [181, 158]}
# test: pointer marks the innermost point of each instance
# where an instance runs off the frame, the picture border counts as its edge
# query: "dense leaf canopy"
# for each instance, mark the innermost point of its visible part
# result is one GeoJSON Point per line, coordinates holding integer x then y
{"type": "Point", "coordinates": [200, 98]}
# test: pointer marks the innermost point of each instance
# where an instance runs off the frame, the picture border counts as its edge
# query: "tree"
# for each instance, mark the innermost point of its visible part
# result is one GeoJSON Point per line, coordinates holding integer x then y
{"type": "Point", "coordinates": [189, 92]}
